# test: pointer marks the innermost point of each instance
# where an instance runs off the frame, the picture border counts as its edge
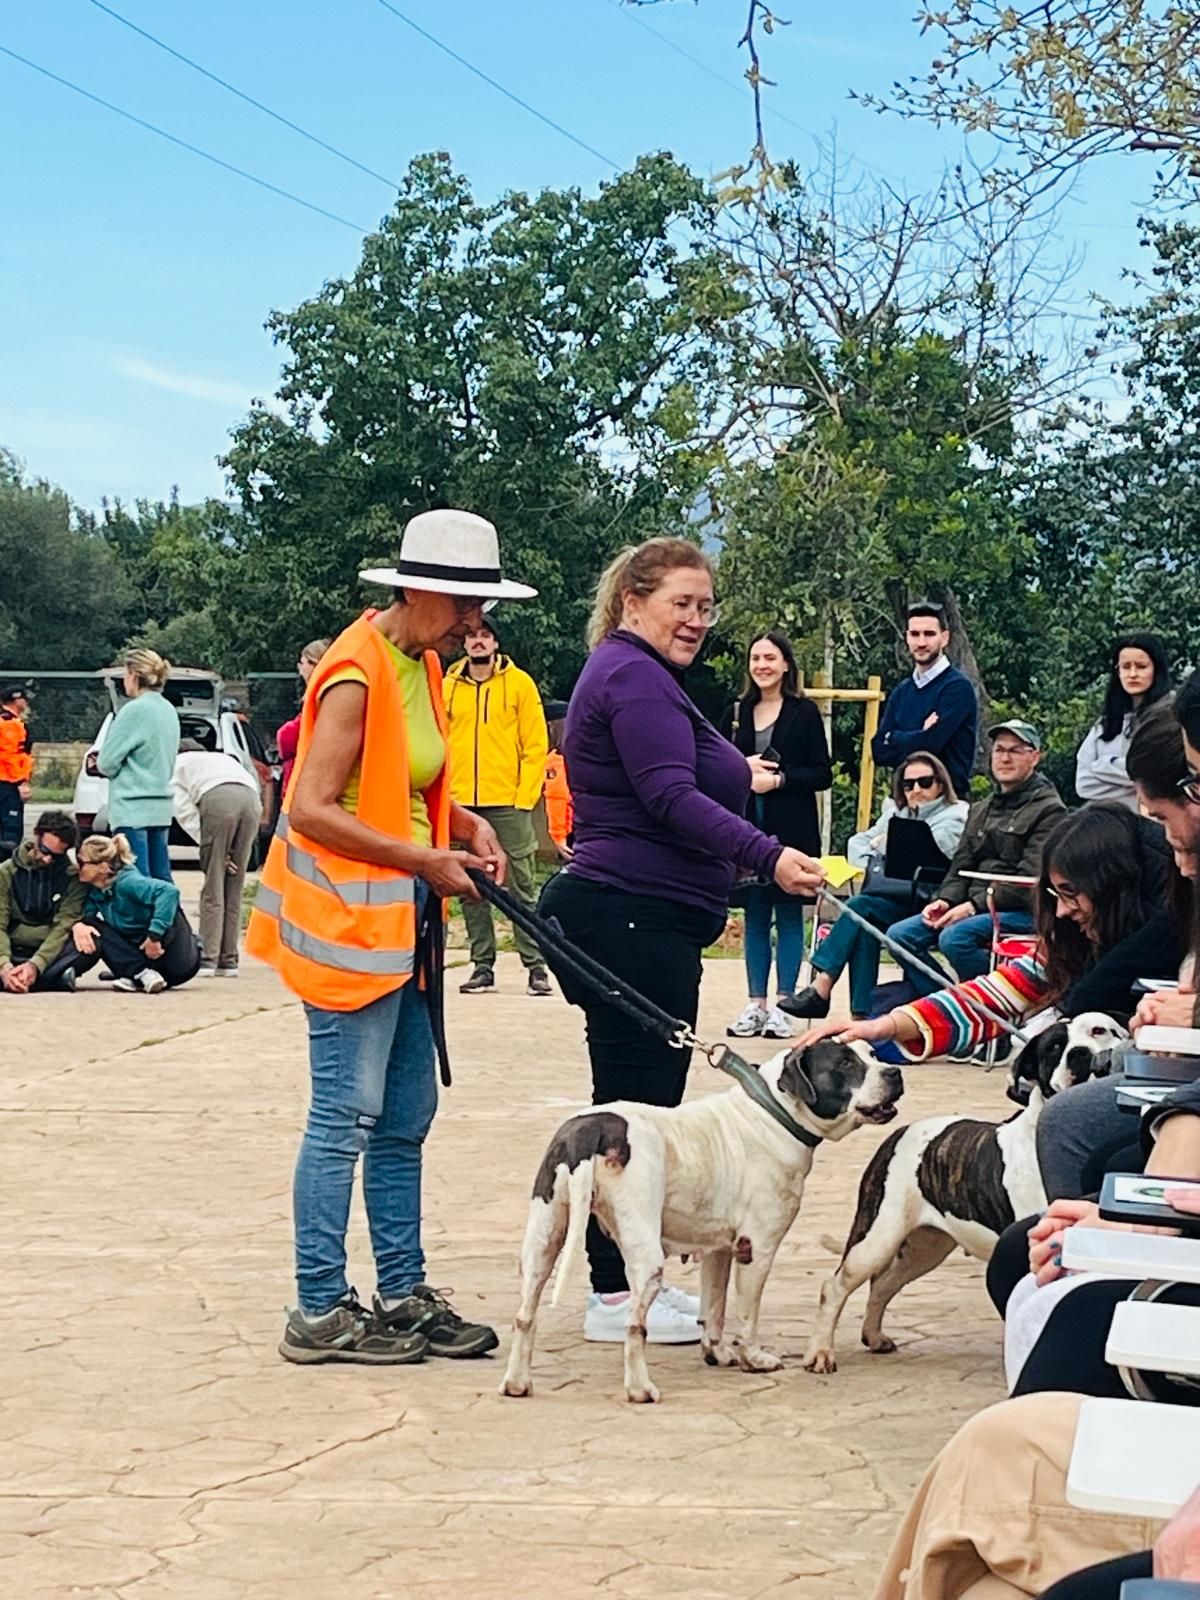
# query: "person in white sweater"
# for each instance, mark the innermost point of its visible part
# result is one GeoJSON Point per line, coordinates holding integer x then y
{"type": "Point", "coordinates": [220, 805]}
{"type": "Point", "coordinates": [1139, 677]}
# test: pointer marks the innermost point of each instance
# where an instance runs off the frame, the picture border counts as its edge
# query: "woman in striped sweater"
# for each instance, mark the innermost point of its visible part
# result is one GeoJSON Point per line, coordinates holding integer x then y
{"type": "Point", "coordinates": [1101, 922]}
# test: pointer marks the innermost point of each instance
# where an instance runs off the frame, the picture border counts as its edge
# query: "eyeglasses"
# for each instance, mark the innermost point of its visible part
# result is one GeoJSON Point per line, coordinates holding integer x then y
{"type": "Point", "coordinates": [1066, 897]}
{"type": "Point", "coordinates": [50, 855]}
{"type": "Point", "coordinates": [1012, 749]}
{"type": "Point", "coordinates": [704, 611]}
{"type": "Point", "coordinates": [925, 781]}
{"type": "Point", "coordinates": [1189, 787]}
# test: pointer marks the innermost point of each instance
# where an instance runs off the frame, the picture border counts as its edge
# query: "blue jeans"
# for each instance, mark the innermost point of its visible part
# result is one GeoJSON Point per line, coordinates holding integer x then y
{"type": "Point", "coordinates": [149, 846]}
{"type": "Point", "coordinates": [966, 945]}
{"type": "Point", "coordinates": [374, 1094]}
{"type": "Point", "coordinates": [848, 945]}
{"type": "Point", "coordinates": [762, 906]}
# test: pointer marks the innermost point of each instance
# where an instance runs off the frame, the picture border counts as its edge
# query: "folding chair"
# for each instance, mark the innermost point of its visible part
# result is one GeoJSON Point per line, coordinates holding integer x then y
{"type": "Point", "coordinates": [1004, 946]}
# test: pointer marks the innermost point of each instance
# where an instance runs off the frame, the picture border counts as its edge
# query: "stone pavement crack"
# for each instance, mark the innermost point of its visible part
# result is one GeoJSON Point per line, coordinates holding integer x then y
{"type": "Point", "coordinates": [300, 1461]}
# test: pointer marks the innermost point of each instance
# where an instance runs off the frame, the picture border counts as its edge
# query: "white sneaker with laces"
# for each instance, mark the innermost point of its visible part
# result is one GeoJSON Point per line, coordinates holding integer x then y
{"type": "Point", "coordinates": [680, 1300]}
{"type": "Point", "coordinates": [151, 982]}
{"type": "Point", "coordinates": [604, 1323]}
{"type": "Point", "coordinates": [748, 1023]}
{"type": "Point", "coordinates": [777, 1025]}
{"type": "Point", "coordinates": [126, 985]}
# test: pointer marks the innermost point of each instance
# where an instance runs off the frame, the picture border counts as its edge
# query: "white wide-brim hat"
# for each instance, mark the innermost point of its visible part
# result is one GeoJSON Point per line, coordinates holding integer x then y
{"type": "Point", "coordinates": [450, 552]}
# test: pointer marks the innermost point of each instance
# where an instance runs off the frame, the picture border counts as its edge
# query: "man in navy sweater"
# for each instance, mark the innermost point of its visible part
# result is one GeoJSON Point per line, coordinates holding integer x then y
{"type": "Point", "coordinates": [934, 710]}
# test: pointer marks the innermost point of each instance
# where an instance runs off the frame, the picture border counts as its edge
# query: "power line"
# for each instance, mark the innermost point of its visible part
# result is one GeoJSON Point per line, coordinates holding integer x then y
{"type": "Point", "coordinates": [499, 87]}
{"type": "Point", "coordinates": [183, 144]}
{"type": "Point", "coordinates": [242, 95]}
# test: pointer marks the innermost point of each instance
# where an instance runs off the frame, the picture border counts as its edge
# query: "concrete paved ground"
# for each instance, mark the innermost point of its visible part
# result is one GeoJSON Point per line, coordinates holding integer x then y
{"type": "Point", "coordinates": [154, 1445]}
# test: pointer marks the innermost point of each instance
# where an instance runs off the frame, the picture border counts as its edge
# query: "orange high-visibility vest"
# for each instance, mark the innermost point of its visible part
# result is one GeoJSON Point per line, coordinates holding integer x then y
{"type": "Point", "coordinates": [560, 808]}
{"type": "Point", "coordinates": [342, 933]}
{"type": "Point", "coordinates": [16, 763]}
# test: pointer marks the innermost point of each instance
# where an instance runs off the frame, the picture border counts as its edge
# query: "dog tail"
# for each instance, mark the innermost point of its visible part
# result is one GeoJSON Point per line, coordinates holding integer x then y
{"type": "Point", "coordinates": [579, 1201]}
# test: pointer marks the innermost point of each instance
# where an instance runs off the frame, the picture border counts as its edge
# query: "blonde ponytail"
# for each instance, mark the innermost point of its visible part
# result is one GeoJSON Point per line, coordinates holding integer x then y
{"type": "Point", "coordinates": [149, 668]}
{"type": "Point", "coordinates": [114, 851]}
{"type": "Point", "coordinates": [638, 569]}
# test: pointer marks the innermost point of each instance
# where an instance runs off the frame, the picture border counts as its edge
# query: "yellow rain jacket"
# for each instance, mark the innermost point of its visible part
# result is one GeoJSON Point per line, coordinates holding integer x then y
{"type": "Point", "coordinates": [498, 742]}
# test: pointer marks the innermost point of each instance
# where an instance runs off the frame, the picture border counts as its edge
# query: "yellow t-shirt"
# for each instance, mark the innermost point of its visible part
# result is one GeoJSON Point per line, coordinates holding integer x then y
{"type": "Point", "coordinates": [426, 747]}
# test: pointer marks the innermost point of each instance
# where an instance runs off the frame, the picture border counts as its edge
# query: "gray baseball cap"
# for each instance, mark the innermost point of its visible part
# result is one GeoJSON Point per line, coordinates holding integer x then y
{"type": "Point", "coordinates": [1025, 731]}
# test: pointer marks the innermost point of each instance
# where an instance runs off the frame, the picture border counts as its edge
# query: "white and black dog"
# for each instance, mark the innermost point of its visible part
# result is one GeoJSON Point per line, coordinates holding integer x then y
{"type": "Point", "coordinates": [947, 1181]}
{"type": "Point", "coordinates": [717, 1176]}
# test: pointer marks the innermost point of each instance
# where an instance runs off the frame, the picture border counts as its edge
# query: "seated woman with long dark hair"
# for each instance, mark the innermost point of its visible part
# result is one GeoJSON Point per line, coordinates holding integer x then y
{"type": "Point", "coordinates": [1139, 678]}
{"type": "Point", "coordinates": [1103, 878]}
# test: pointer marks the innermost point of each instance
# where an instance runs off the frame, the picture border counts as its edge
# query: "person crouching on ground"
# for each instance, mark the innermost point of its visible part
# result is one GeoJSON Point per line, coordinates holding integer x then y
{"type": "Point", "coordinates": [135, 923]}
{"type": "Point", "coordinates": [220, 805]}
{"type": "Point", "coordinates": [41, 897]}
{"type": "Point", "coordinates": [344, 914]}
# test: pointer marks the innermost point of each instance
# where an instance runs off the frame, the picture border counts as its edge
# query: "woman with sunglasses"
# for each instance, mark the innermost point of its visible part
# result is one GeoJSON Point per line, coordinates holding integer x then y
{"type": "Point", "coordinates": [922, 791]}
{"type": "Point", "coordinates": [1103, 879]}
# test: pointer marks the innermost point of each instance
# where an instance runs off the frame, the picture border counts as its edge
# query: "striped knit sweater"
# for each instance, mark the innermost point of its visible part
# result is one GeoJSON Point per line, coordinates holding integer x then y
{"type": "Point", "coordinates": [949, 1028]}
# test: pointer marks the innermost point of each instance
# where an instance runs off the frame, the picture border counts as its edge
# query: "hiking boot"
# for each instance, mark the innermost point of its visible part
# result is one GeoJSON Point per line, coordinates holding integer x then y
{"type": "Point", "coordinates": [808, 1003]}
{"type": "Point", "coordinates": [539, 981]}
{"type": "Point", "coordinates": [349, 1332]}
{"type": "Point", "coordinates": [481, 981]}
{"type": "Point", "coordinates": [748, 1023]}
{"type": "Point", "coordinates": [426, 1312]}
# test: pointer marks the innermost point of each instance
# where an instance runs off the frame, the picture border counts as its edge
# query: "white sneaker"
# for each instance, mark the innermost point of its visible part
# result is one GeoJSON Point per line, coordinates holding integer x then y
{"type": "Point", "coordinates": [604, 1323]}
{"type": "Point", "coordinates": [748, 1024]}
{"type": "Point", "coordinates": [151, 982]}
{"type": "Point", "coordinates": [205, 971]}
{"type": "Point", "coordinates": [688, 1305]}
{"type": "Point", "coordinates": [228, 972]}
{"type": "Point", "coordinates": [777, 1025]}
{"type": "Point", "coordinates": [126, 985]}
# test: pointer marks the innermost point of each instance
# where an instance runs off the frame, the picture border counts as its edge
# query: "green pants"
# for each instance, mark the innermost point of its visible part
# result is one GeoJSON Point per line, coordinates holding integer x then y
{"type": "Point", "coordinates": [516, 834]}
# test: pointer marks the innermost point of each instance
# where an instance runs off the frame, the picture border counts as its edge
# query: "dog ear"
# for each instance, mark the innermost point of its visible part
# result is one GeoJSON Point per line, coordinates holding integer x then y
{"type": "Point", "coordinates": [794, 1079]}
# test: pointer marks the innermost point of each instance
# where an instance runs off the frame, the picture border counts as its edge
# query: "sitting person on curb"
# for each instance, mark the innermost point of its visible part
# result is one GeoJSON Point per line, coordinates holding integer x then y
{"type": "Point", "coordinates": [41, 896]}
{"type": "Point", "coordinates": [921, 792]}
{"type": "Point", "coordinates": [135, 923]}
{"type": "Point", "coordinates": [220, 805]}
{"type": "Point", "coordinates": [1004, 835]}
{"type": "Point", "coordinates": [1102, 881]}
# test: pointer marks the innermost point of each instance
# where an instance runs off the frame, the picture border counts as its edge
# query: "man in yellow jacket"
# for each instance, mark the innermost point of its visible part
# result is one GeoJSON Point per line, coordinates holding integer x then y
{"type": "Point", "coordinates": [497, 764]}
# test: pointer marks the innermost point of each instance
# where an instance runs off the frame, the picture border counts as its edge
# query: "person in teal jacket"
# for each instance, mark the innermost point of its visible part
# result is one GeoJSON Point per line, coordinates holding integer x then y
{"type": "Point", "coordinates": [138, 759]}
{"type": "Point", "coordinates": [133, 922]}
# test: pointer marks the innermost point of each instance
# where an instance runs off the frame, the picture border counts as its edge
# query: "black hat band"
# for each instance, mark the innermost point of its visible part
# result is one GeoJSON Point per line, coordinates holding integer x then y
{"type": "Point", "coordinates": [437, 569]}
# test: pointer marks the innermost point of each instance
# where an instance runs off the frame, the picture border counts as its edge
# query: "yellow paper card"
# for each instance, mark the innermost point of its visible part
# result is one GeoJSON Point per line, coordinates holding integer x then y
{"type": "Point", "coordinates": [838, 871]}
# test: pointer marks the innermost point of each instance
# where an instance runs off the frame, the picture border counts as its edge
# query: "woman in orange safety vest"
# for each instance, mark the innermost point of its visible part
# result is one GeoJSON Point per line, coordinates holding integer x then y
{"type": "Point", "coordinates": [343, 913]}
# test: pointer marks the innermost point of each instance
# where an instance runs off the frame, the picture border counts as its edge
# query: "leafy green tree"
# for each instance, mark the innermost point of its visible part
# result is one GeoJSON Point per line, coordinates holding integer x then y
{"type": "Point", "coordinates": [545, 361]}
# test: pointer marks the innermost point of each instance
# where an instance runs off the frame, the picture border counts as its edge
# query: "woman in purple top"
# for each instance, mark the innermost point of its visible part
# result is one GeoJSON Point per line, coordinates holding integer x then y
{"type": "Point", "coordinates": [660, 834]}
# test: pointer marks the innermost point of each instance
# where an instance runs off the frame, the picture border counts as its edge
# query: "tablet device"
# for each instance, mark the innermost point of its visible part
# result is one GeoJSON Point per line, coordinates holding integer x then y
{"type": "Point", "coordinates": [1138, 1198]}
{"type": "Point", "coordinates": [912, 852]}
{"type": "Point", "coordinates": [1139, 1067]}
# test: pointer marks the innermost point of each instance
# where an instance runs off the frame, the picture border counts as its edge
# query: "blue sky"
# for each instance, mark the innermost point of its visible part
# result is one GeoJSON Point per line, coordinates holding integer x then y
{"type": "Point", "coordinates": [135, 278]}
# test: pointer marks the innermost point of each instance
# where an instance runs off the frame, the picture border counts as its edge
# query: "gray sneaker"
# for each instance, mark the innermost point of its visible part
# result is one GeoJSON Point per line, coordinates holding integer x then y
{"type": "Point", "coordinates": [539, 981]}
{"type": "Point", "coordinates": [349, 1332]}
{"type": "Point", "coordinates": [481, 981]}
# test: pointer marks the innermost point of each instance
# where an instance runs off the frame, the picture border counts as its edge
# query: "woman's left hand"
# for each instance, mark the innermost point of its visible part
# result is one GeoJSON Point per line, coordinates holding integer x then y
{"type": "Point", "coordinates": [152, 948]}
{"type": "Point", "coordinates": [1165, 1008]}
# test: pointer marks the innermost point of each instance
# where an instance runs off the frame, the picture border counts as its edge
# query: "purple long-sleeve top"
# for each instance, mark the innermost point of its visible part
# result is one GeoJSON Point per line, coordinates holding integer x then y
{"type": "Point", "coordinates": [659, 794]}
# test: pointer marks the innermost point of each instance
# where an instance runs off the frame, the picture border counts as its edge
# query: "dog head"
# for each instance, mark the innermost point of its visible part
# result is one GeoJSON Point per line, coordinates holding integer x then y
{"type": "Point", "coordinates": [835, 1088]}
{"type": "Point", "coordinates": [1065, 1054]}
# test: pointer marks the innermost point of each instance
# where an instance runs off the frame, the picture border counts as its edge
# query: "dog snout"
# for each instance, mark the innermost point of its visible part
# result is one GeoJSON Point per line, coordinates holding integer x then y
{"type": "Point", "coordinates": [893, 1081]}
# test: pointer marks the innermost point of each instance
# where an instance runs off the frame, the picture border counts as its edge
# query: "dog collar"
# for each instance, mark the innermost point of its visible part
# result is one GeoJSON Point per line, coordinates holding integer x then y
{"type": "Point", "coordinates": [750, 1079]}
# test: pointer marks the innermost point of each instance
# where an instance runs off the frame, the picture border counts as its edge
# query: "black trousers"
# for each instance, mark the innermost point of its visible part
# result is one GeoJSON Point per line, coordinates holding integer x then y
{"type": "Point", "coordinates": [1069, 1354]}
{"type": "Point", "coordinates": [12, 814]}
{"type": "Point", "coordinates": [656, 946]}
{"type": "Point", "coordinates": [179, 961]}
{"type": "Point", "coordinates": [1104, 1580]}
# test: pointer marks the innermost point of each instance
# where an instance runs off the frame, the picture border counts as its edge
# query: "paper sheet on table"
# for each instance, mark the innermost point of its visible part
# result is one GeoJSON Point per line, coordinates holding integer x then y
{"type": "Point", "coordinates": [838, 870]}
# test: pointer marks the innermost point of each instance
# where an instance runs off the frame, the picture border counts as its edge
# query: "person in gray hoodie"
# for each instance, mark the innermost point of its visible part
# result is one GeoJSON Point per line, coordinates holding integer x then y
{"type": "Point", "coordinates": [923, 791]}
{"type": "Point", "coordinates": [40, 897]}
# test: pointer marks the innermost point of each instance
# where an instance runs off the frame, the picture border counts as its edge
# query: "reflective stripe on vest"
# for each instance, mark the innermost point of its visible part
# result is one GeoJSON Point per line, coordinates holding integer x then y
{"type": "Point", "coordinates": [379, 963]}
{"type": "Point", "coordinates": [356, 891]}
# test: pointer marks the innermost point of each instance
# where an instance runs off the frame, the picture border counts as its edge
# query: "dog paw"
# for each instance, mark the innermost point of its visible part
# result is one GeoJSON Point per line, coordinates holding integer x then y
{"type": "Point", "coordinates": [820, 1361]}
{"type": "Point", "coordinates": [756, 1359]}
{"type": "Point", "coordinates": [648, 1396]}
{"type": "Point", "coordinates": [880, 1345]}
{"type": "Point", "coordinates": [719, 1355]}
{"type": "Point", "coordinates": [517, 1388]}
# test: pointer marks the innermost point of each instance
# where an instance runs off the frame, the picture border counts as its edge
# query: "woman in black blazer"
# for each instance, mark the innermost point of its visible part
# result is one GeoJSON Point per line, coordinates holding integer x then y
{"type": "Point", "coordinates": [783, 739]}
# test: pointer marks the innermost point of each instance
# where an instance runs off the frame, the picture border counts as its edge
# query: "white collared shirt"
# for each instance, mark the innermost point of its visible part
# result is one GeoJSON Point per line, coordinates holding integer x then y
{"type": "Point", "coordinates": [923, 676]}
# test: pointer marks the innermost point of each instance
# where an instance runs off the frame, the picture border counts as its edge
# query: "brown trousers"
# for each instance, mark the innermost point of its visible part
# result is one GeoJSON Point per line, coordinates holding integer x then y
{"type": "Point", "coordinates": [229, 818]}
{"type": "Point", "coordinates": [990, 1520]}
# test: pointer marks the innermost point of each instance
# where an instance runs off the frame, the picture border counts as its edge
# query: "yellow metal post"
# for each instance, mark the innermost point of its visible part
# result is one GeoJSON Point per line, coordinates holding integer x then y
{"type": "Point", "coordinates": [821, 681]}
{"type": "Point", "coordinates": [866, 767]}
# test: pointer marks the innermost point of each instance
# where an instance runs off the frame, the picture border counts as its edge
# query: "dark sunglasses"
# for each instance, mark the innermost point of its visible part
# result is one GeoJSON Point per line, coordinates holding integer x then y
{"type": "Point", "coordinates": [50, 855]}
{"type": "Point", "coordinates": [926, 781]}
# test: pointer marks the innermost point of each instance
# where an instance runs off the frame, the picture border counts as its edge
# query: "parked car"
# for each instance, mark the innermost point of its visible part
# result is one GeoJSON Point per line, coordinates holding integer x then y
{"type": "Point", "coordinates": [204, 715]}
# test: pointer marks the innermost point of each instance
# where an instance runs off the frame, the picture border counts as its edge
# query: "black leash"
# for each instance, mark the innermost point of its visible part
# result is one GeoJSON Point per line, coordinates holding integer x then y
{"type": "Point", "coordinates": [563, 956]}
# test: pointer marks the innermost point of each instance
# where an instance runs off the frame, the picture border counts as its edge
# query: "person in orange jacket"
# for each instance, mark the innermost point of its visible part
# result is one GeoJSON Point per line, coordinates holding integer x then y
{"type": "Point", "coordinates": [16, 762]}
{"type": "Point", "coordinates": [556, 790]}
